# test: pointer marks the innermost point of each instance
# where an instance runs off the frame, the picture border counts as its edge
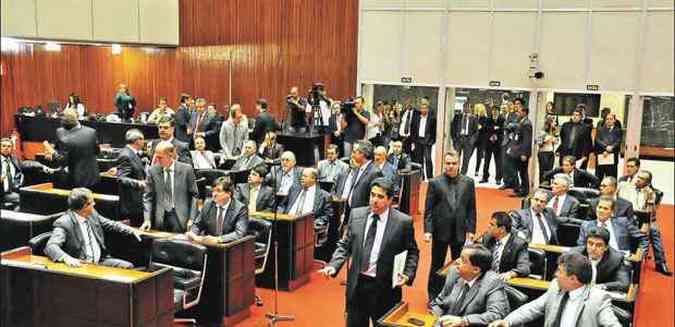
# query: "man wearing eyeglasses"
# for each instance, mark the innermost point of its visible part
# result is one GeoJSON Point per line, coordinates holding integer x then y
{"type": "Point", "coordinates": [622, 207]}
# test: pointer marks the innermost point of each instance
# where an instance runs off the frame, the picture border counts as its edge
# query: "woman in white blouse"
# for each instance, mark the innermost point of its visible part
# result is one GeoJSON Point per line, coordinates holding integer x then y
{"type": "Point", "coordinates": [374, 129]}
{"type": "Point", "coordinates": [75, 103]}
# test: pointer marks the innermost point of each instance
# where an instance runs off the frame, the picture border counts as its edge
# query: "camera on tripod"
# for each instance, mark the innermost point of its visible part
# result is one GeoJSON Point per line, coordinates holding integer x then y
{"type": "Point", "coordinates": [316, 94]}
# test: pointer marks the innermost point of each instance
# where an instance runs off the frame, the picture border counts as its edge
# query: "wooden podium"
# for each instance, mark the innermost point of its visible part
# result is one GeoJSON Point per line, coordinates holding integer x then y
{"type": "Point", "coordinates": [45, 199]}
{"type": "Point", "coordinates": [400, 316]}
{"type": "Point", "coordinates": [39, 292]}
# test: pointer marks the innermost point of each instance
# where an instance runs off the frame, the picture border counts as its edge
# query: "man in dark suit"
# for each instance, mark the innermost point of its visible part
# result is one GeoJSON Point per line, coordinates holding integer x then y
{"type": "Point", "coordinates": [264, 122]}
{"type": "Point", "coordinates": [465, 133]}
{"type": "Point", "coordinates": [622, 207]}
{"type": "Point", "coordinates": [183, 116]}
{"type": "Point", "coordinates": [203, 123]}
{"type": "Point", "coordinates": [249, 158]}
{"type": "Point", "coordinates": [165, 128]}
{"type": "Point", "coordinates": [565, 206]}
{"type": "Point", "coordinates": [170, 198]}
{"type": "Point", "coordinates": [579, 177]}
{"type": "Point", "coordinates": [575, 138]}
{"type": "Point", "coordinates": [76, 148]}
{"type": "Point", "coordinates": [78, 235]}
{"type": "Point", "coordinates": [631, 169]}
{"type": "Point", "coordinates": [624, 235]}
{"type": "Point", "coordinates": [511, 120]}
{"type": "Point", "coordinates": [473, 294]}
{"type": "Point", "coordinates": [354, 186]}
{"type": "Point", "coordinates": [449, 217]}
{"type": "Point", "coordinates": [308, 198]}
{"type": "Point", "coordinates": [536, 224]}
{"type": "Point", "coordinates": [222, 219]}
{"type": "Point", "coordinates": [608, 145]}
{"type": "Point", "coordinates": [493, 145]}
{"type": "Point", "coordinates": [510, 257]}
{"type": "Point", "coordinates": [398, 159]}
{"type": "Point", "coordinates": [520, 150]}
{"type": "Point", "coordinates": [388, 171]}
{"type": "Point", "coordinates": [609, 270]}
{"type": "Point", "coordinates": [11, 172]}
{"type": "Point", "coordinates": [263, 198]}
{"type": "Point", "coordinates": [374, 236]}
{"type": "Point", "coordinates": [281, 179]}
{"type": "Point", "coordinates": [423, 137]}
{"type": "Point", "coordinates": [131, 177]}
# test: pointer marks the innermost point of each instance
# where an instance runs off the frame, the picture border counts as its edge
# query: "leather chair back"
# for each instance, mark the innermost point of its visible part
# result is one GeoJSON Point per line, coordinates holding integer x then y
{"type": "Point", "coordinates": [568, 234]}
{"type": "Point", "coordinates": [516, 298]}
{"type": "Point", "coordinates": [262, 230]}
{"type": "Point", "coordinates": [39, 242]}
{"type": "Point", "coordinates": [539, 264]}
{"type": "Point", "coordinates": [179, 253]}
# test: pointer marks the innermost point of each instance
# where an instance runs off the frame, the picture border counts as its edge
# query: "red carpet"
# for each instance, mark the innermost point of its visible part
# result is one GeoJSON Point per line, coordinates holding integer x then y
{"type": "Point", "coordinates": [321, 302]}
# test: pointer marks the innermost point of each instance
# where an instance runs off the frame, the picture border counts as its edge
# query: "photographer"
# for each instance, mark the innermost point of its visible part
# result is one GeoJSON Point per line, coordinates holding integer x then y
{"type": "Point", "coordinates": [296, 111]}
{"type": "Point", "coordinates": [354, 122]}
{"type": "Point", "coordinates": [318, 105]}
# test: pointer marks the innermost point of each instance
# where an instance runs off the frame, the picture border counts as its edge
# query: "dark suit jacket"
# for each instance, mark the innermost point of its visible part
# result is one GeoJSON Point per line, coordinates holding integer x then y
{"type": "Point", "coordinates": [19, 167]}
{"type": "Point", "coordinates": [605, 137]}
{"type": "Point", "coordinates": [522, 140]}
{"type": "Point", "coordinates": [485, 301]}
{"type": "Point", "coordinates": [207, 125]}
{"type": "Point", "coordinates": [399, 162]}
{"type": "Point", "coordinates": [493, 130]}
{"type": "Point", "coordinates": [131, 171]}
{"type": "Point", "coordinates": [457, 127]}
{"type": "Point", "coordinates": [515, 256]}
{"type": "Point", "coordinates": [441, 209]}
{"type": "Point", "coordinates": [399, 236]}
{"type": "Point", "coordinates": [361, 191]}
{"type": "Point", "coordinates": [583, 144]}
{"type": "Point", "coordinates": [235, 223]}
{"type": "Point", "coordinates": [523, 220]}
{"type": "Point", "coordinates": [612, 271]}
{"type": "Point", "coordinates": [429, 138]}
{"type": "Point", "coordinates": [182, 150]}
{"type": "Point", "coordinates": [323, 209]}
{"type": "Point", "coordinates": [182, 117]}
{"type": "Point", "coordinates": [67, 238]}
{"type": "Point", "coordinates": [264, 201]}
{"type": "Point", "coordinates": [581, 177]}
{"type": "Point", "coordinates": [273, 152]}
{"type": "Point", "coordinates": [264, 123]}
{"type": "Point", "coordinates": [628, 236]}
{"type": "Point", "coordinates": [77, 148]}
{"type": "Point", "coordinates": [622, 208]}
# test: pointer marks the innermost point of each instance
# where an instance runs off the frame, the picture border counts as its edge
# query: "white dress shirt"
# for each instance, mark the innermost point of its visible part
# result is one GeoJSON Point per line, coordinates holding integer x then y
{"type": "Point", "coordinates": [92, 249]}
{"type": "Point", "coordinates": [612, 237]}
{"type": "Point", "coordinates": [423, 125]}
{"type": "Point", "coordinates": [286, 181]}
{"type": "Point", "coordinates": [379, 235]}
{"type": "Point", "coordinates": [594, 265]}
{"type": "Point", "coordinates": [568, 317]}
{"type": "Point", "coordinates": [308, 204]}
{"type": "Point", "coordinates": [537, 233]}
{"type": "Point", "coordinates": [200, 161]}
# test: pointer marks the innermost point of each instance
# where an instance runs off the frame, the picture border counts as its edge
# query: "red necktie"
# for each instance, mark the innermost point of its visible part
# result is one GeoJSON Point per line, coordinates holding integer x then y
{"type": "Point", "coordinates": [555, 204]}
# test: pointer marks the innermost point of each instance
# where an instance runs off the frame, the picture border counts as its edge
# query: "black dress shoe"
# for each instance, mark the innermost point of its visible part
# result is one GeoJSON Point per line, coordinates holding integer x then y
{"type": "Point", "coordinates": [484, 180]}
{"type": "Point", "coordinates": [663, 269]}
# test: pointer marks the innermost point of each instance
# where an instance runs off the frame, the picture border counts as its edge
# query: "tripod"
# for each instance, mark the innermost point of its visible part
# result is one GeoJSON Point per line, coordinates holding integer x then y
{"type": "Point", "coordinates": [274, 316]}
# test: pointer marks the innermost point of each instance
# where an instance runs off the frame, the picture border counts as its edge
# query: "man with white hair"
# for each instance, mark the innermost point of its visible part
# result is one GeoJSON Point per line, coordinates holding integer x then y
{"type": "Point", "coordinates": [281, 179]}
{"type": "Point", "coordinates": [564, 205]}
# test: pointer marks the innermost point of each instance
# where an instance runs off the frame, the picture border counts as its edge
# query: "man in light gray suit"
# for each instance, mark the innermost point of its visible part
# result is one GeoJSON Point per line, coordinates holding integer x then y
{"type": "Point", "coordinates": [233, 133]}
{"type": "Point", "coordinates": [569, 302]}
{"type": "Point", "coordinates": [170, 198]}
{"type": "Point", "coordinates": [331, 167]}
{"type": "Point", "coordinates": [473, 294]}
{"type": "Point", "coordinates": [78, 235]}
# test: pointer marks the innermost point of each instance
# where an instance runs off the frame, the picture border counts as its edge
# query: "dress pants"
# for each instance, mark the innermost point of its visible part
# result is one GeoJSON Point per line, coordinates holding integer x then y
{"type": "Point", "coordinates": [493, 150]}
{"type": "Point", "coordinates": [520, 167]}
{"type": "Point", "coordinates": [422, 156]}
{"type": "Point", "coordinates": [657, 243]}
{"type": "Point", "coordinates": [480, 152]}
{"type": "Point", "coordinates": [467, 147]}
{"type": "Point", "coordinates": [369, 303]}
{"type": "Point", "coordinates": [546, 159]}
{"type": "Point", "coordinates": [171, 223]}
{"type": "Point", "coordinates": [601, 171]}
{"type": "Point", "coordinates": [439, 250]}
{"type": "Point", "coordinates": [510, 172]}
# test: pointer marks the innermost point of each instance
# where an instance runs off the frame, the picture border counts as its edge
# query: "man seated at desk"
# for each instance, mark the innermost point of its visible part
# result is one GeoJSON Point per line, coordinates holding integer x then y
{"type": "Point", "coordinates": [282, 179]}
{"type": "Point", "coordinates": [331, 167]}
{"type": "Point", "coordinates": [249, 158]}
{"type": "Point", "coordinates": [609, 270]}
{"type": "Point", "coordinates": [622, 207]}
{"type": "Point", "coordinates": [510, 257]}
{"type": "Point", "coordinates": [11, 174]}
{"type": "Point", "coordinates": [222, 219]}
{"type": "Point", "coordinates": [255, 195]}
{"type": "Point", "coordinates": [473, 294]}
{"type": "Point", "coordinates": [569, 300]}
{"type": "Point", "coordinates": [623, 234]}
{"type": "Point", "coordinates": [78, 235]}
{"type": "Point", "coordinates": [308, 198]}
{"type": "Point", "coordinates": [537, 224]}
{"type": "Point", "coordinates": [565, 206]}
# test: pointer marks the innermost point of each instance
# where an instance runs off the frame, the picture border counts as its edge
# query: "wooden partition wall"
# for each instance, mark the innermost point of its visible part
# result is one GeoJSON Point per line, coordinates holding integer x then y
{"type": "Point", "coordinates": [272, 45]}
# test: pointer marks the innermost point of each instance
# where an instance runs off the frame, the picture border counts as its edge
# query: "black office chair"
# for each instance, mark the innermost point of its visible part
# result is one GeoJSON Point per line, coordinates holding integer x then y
{"type": "Point", "coordinates": [327, 186]}
{"type": "Point", "coordinates": [584, 194]}
{"type": "Point", "coordinates": [568, 234]}
{"type": "Point", "coordinates": [39, 242]}
{"type": "Point", "coordinates": [262, 230]}
{"type": "Point", "coordinates": [188, 261]}
{"type": "Point", "coordinates": [205, 178]}
{"type": "Point", "coordinates": [539, 266]}
{"type": "Point", "coordinates": [516, 298]}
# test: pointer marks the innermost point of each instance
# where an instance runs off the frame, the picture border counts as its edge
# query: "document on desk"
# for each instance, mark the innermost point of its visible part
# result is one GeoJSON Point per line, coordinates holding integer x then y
{"type": "Point", "coordinates": [605, 159]}
{"type": "Point", "coordinates": [399, 266]}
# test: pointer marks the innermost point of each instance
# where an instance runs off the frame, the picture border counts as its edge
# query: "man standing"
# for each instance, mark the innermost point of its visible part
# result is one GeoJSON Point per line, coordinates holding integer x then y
{"type": "Point", "coordinates": [607, 147]}
{"type": "Point", "coordinates": [569, 301]}
{"type": "Point", "coordinates": [466, 135]}
{"type": "Point", "coordinates": [423, 136]}
{"type": "Point", "coordinates": [374, 236]}
{"type": "Point", "coordinates": [170, 199]}
{"type": "Point", "coordinates": [296, 111]}
{"type": "Point", "coordinates": [182, 118]}
{"type": "Point", "coordinates": [125, 103]}
{"type": "Point", "coordinates": [203, 123]}
{"type": "Point", "coordinates": [131, 176]}
{"type": "Point", "coordinates": [493, 140]}
{"type": "Point", "coordinates": [449, 217]}
{"type": "Point", "coordinates": [264, 122]}
{"type": "Point", "coordinates": [165, 129]}
{"type": "Point", "coordinates": [519, 152]}
{"type": "Point", "coordinates": [354, 187]}
{"type": "Point", "coordinates": [233, 133]}
{"type": "Point", "coordinates": [575, 138]}
{"type": "Point", "coordinates": [354, 125]}
{"type": "Point", "coordinates": [77, 148]}
{"type": "Point", "coordinates": [222, 219]}
{"type": "Point", "coordinates": [11, 175]}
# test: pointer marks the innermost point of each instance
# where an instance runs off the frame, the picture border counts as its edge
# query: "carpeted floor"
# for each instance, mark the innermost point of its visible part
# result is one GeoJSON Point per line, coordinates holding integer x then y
{"type": "Point", "coordinates": [321, 301]}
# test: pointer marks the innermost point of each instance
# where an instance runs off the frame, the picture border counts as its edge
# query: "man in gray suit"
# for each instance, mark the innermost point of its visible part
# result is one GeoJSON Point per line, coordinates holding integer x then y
{"type": "Point", "coordinates": [233, 133]}
{"type": "Point", "coordinates": [170, 199]}
{"type": "Point", "coordinates": [569, 302]}
{"type": "Point", "coordinates": [249, 158]}
{"type": "Point", "coordinates": [255, 195]}
{"type": "Point", "coordinates": [222, 219]}
{"type": "Point", "coordinates": [78, 235]}
{"type": "Point", "coordinates": [565, 206]}
{"type": "Point", "coordinates": [473, 294]}
{"type": "Point", "coordinates": [331, 167]}
{"type": "Point", "coordinates": [536, 224]}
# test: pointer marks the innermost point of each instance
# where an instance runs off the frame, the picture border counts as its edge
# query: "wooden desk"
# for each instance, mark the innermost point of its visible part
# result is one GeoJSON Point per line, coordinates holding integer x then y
{"type": "Point", "coordinates": [45, 199]}
{"type": "Point", "coordinates": [229, 286]}
{"type": "Point", "coordinates": [296, 251]}
{"type": "Point", "coordinates": [17, 228]}
{"type": "Point", "coordinates": [399, 315]}
{"type": "Point", "coordinates": [410, 195]}
{"type": "Point", "coordinates": [635, 257]}
{"type": "Point", "coordinates": [39, 292]}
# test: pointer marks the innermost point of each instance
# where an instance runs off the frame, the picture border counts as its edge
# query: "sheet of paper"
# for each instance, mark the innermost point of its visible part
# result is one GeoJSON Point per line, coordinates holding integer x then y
{"type": "Point", "coordinates": [605, 159]}
{"type": "Point", "coordinates": [399, 266]}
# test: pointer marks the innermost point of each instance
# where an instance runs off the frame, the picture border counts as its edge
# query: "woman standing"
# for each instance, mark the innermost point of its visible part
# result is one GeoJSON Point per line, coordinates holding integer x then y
{"type": "Point", "coordinates": [481, 114]}
{"type": "Point", "coordinates": [374, 132]}
{"type": "Point", "coordinates": [75, 103]}
{"type": "Point", "coordinates": [547, 141]}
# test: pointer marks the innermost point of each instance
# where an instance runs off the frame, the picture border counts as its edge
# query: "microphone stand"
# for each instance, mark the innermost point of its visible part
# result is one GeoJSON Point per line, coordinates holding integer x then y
{"type": "Point", "coordinates": [274, 316]}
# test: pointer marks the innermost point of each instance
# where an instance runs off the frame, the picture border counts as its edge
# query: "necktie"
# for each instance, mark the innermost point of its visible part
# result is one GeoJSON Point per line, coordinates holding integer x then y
{"type": "Point", "coordinates": [352, 180]}
{"type": "Point", "coordinates": [497, 256]}
{"type": "Point", "coordinates": [406, 129]}
{"type": "Point", "coordinates": [542, 226]}
{"type": "Point", "coordinates": [301, 202]}
{"type": "Point", "coordinates": [91, 256]}
{"type": "Point", "coordinates": [168, 188]}
{"type": "Point", "coordinates": [253, 199]}
{"type": "Point", "coordinates": [370, 240]}
{"type": "Point", "coordinates": [460, 300]}
{"type": "Point", "coordinates": [561, 308]}
{"type": "Point", "coordinates": [219, 220]}
{"type": "Point", "coordinates": [555, 204]}
{"type": "Point", "coordinates": [8, 174]}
